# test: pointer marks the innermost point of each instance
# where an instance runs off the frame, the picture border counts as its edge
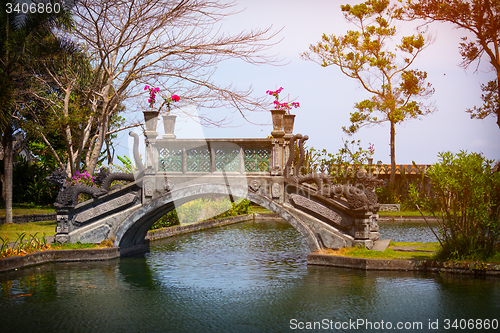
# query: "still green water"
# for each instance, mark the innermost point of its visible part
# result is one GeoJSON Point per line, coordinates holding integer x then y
{"type": "Point", "coordinates": [247, 277]}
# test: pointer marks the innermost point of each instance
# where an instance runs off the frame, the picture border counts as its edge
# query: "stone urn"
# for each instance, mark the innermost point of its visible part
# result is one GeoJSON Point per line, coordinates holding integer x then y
{"type": "Point", "coordinates": [370, 165]}
{"type": "Point", "coordinates": [169, 126]}
{"type": "Point", "coordinates": [151, 119]}
{"type": "Point", "coordinates": [278, 131]}
{"type": "Point", "coordinates": [288, 120]}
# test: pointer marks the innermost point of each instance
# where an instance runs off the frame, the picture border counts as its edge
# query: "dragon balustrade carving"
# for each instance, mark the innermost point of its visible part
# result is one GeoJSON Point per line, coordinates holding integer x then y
{"type": "Point", "coordinates": [359, 196]}
{"type": "Point", "coordinates": [68, 193]}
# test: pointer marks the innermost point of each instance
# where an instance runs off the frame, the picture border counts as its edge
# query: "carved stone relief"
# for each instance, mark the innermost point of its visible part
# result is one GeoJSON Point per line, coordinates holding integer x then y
{"type": "Point", "coordinates": [168, 186]}
{"type": "Point", "coordinates": [316, 208]}
{"type": "Point", "coordinates": [62, 224]}
{"type": "Point", "coordinates": [62, 238]}
{"type": "Point", "coordinates": [276, 190]}
{"type": "Point", "coordinates": [148, 188]}
{"type": "Point", "coordinates": [255, 185]}
{"type": "Point", "coordinates": [105, 208]}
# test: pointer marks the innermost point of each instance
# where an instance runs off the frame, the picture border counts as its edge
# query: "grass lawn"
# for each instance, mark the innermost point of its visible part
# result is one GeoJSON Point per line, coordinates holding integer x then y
{"type": "Point", "coordinates": [405, 213]}
{"type": "Point", "coordinates": [69, 246]}
{"type": "Point", "coordinates": [258, 209]}
{"type": "Point", "coordinates": [389, 253]}
{"type": "Point", "coordinates": [12, 230]}
{"type": "Point", "coordinates": [359, 252]}
{"type": "Point", "coordinates": [31, 246]}
{"type": "Point", "coordinates": [28, 209]}
{"type": "Point", "coordinates": [434, 246]}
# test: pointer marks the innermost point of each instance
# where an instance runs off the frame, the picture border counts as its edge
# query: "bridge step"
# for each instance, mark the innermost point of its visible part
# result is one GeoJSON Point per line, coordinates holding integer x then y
{"type": "Point", "coordinates": [381, 245]}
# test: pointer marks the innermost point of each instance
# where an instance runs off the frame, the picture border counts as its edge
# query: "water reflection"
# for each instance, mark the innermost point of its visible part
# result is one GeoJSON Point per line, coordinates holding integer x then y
{"type": "Point", "coordinates": [407, 232]}
{"type": "Point", "coordinates": [249, 277]}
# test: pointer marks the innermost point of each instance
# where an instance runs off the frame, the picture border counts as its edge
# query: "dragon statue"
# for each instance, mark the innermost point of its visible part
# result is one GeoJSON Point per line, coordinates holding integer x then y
{"type": "Point", "coordinates": [68, 193]}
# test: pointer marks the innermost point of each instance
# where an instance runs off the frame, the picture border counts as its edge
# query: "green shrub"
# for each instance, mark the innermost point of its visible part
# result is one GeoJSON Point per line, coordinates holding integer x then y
{"type": "Point", "coordinates": [342, 166]}
{"type": "Point", "coordinates": [30, 185]}
{"type": "Point", "coordinates": [208, 208]}
{"type": "Point", "coordinates": [168, 220]}
{"type": "Point", "coordinates": [237, 209]}
{"type": "Point", "coordinates": [465, 197]}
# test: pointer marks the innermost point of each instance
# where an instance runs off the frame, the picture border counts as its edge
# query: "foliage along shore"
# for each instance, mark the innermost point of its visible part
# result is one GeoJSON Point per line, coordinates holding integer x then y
{"type": "Point", "coordinates": [405, 250]}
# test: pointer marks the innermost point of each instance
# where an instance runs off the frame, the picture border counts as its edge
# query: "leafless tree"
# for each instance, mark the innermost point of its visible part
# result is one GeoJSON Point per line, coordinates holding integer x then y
{"type": "Point", "coordinates": [172, 44]}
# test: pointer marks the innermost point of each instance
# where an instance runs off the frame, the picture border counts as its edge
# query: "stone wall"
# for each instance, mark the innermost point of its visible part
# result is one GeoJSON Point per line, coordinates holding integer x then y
{"type": "Point", "coordinates": [390, 208]}
{"type": "Point", "coordinates": [30, 218]}
{"type": "Point", "coordinates": [42, 257]}
{"type": "Point", "coordinates": [184, 229]}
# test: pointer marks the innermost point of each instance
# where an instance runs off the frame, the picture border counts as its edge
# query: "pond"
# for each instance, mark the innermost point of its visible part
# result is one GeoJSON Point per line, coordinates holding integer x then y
{"type": "Point", "coordinates": [407, 232]}
{"type": "Point", "coordinates": [246, 277]}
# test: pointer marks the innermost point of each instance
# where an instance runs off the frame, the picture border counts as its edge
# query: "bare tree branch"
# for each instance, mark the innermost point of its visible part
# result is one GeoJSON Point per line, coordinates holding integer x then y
{"type": "Point", "coordinates": [172, 44]}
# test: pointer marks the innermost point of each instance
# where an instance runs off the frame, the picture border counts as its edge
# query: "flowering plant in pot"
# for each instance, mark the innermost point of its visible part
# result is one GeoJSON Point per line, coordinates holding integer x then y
{"type": "Point", "coordinates": [281, 114]}
{"type": "Point", "coordinates": [169, 119]}
{"type": "Point", "coordinates": [371, 151]}
{"type": "Point", "coordinates": [152, 95]}
{"type": "Point", "coordinates": [168, 101]}
{"type": "Point", "coordinates": [282, 106]}
{"type": "Point", "coordinates": [151, 117]}
{"type": "Point", "coordinates": [152, 98]}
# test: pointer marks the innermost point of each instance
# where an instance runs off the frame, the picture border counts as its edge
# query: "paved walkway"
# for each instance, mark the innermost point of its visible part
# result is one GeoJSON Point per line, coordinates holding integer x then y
{"type": "Point", "coordinates": [381, 245]}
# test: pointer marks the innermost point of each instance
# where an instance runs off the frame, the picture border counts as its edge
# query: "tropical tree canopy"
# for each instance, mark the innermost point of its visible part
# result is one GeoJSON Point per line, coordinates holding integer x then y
{"type": "Point", "coordinates": [369, 56]}
{"type": "Point", "coordinates": [482, 19]}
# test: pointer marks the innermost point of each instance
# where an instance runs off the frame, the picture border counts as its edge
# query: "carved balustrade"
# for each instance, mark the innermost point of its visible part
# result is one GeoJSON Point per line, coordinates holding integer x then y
{"type": "Point", "coordinates": [185, 156]}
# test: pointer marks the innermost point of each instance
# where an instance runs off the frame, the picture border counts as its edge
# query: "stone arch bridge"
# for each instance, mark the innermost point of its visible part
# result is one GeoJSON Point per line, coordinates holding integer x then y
{"type": "Point", "coordinates": [177, 171]}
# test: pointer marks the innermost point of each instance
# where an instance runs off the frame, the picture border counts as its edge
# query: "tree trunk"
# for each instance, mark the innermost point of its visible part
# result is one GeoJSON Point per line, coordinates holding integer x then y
{"type": "Point", "coordinates": [8, 154]}
{"type": "Point", "coordinates": [101, 134]}
{"type": "Point", "coordinates": [392, 179]}
{"type": "Point", "coordinates": [498, 101]}
{"type": "Point", "coordinates": [99, 142]}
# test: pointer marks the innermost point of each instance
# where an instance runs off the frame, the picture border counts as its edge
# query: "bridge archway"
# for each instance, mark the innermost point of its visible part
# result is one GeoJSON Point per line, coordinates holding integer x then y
{"type": "Point", "coordinates": [132, 230]}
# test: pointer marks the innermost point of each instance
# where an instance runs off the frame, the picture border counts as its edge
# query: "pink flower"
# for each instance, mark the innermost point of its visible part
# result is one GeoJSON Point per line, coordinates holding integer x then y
{"type": "Point", "coordinates": [175, 98]}
{"type": "Point", "coordinates": [371, 148]}
{"type": "Point", "coordinates": [282, 106]}
{"type": "Point", "coordinates": [152, 94]}
{"type": "Point", "coordinates": [274, 93]}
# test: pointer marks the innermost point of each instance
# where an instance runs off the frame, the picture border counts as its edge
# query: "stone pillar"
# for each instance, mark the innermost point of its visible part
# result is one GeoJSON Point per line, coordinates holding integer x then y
{"type": "Point", "coordinates": [276, 166]}
{"type": "Point", "coordinates": [276, 186]}
{"type": "Point", "coordinates": [151, 168]}
{"type": "Point", "coordinates": [152, 156]}
{"type": "Point", "coordinates": [62, 228]}
{"type": "Point", "coordinates": [148, 185]}
{"type": "Point", "coordinates": [362, 228]}
{"type": "Point", "coordinates": [365, 229]}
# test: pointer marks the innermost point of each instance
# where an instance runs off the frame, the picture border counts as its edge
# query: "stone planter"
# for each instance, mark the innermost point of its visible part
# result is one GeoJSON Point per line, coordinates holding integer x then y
{"type": "Point", "coordinates": [169, 126]}
{"type": "Point", "coordinates": [278, 131]}
{"type": "Point", "coordinates": [151, 119]}
{"type": "Point", "coordinates": [370, 165]}
{"type": "Point", "coordinates": [288, 120]}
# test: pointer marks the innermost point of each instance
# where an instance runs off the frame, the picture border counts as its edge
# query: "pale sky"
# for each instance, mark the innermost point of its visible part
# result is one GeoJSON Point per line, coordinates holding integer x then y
{"type": "Point", "coordinates": [327, 96]}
